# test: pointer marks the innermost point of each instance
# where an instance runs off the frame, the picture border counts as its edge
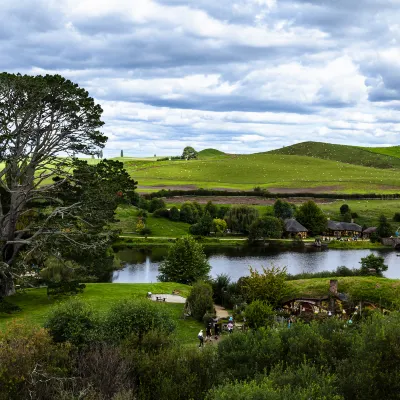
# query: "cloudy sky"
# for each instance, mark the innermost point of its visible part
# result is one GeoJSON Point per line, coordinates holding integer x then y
{"type": "Point", "coordinates": [241, 76]}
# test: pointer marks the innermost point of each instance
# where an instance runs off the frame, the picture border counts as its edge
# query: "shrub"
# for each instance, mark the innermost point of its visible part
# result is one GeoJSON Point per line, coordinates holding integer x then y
{"type": "Point", "coordinates": [259, 314]}
{"type": "Point", "coordinates": [373, 262]}
{"type": "Point", "coordinates": [174, 214]}
{"type": "Point", "coordinates": [396, 217]}
{"type": "Point", "coordinates": [136, 317]}
{"type": "Point", "coordinates": [161, 213]}
{"type": "Point", "coordinates": [200, 300]}
{"type": "Point", "coordinates": [142, 214]}
{"type": "Point", "coordinates": [155, 204]}
{"type": "Point", "coordinates": [146, 231]}
{"type": "Point", "coordinates": [72, 321]}
{"type": "Point", "coordinates": [344, 209]}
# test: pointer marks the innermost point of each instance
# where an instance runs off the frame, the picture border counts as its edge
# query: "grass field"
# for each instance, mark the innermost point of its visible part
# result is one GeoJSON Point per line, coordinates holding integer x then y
{"type": "Point", "coordinates": [373, 289]}
{"type": "Point", "coordinates": [35, 304]}
{"type": "Point", "coordinates": [369, 157]}
{"type": "Point", "coordinates": [270, 171]}
{"type": "Point", "coordinates": [393, 151]}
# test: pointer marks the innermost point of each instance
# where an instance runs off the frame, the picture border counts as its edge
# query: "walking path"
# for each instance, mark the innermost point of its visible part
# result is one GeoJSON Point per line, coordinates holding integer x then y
{"type": "Point", "coordinates": [169, 298]}
{"type": "Point", "coordinates": [221, 312]}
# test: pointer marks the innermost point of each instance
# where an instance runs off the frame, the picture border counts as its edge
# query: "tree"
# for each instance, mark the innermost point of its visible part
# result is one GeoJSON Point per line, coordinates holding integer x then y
{"type": "Point", "coordinates": [185, 262]}
{"type": "Point", "coordinates": [344, 209]}
{"type": "Point", "coordinates": [140, 225]}
{"type": "Point", "coordinates": [384, 228]}
{"type": "Point", "coordinates": [189, 153]}
{"type": "Point", "coordinates": [266, 227]}
{"type": "Point", "coordinates": [40, 117]}
{"type": "Point", "coordinates": [203, 227]}
{"type": "Point", "coordinates": [269, 286]}
{"type": "Point", "coordinates": [283, 209]}
{"type": "Point", "coordinates": [373, 262]}
{"type": "Point", "coordinates": [174, 214]}
{"type": "Point", "coordinates": [312, 217]}
{"type": "Point", "coordinates": [212, 209]}
{"type": "Point", "coordinates": [239, 219]}
{"type": "Point", "coordinates": [219, 226]}
{"type": "Point", "coordinates": [191, 212]}
{"type": "Point", "coordinates": [346, 217]}
{"type": "Point", "coordinates": [155, 204]}
{"type": "Point", "coordinates": [122, 153]}
{"type": "Point", "coordinates": [200, 300]}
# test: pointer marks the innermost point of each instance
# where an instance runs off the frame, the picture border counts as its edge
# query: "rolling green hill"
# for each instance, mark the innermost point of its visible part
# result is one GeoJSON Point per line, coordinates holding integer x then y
{"type": "Point", "coordinates": [210, 153]}
{"type": "Point", "coordinates": [393, 151]}
{"type": "Point", "coordinates": [343, 153]}
{"type": "Point", "coordinates": [272, 171]}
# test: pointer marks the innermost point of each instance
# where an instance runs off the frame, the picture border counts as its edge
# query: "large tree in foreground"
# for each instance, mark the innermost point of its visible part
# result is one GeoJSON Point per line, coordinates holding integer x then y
{"type": "Point", "coordinates": [185, 262]}
{"type": "Point", "coordinates": [41, 118]}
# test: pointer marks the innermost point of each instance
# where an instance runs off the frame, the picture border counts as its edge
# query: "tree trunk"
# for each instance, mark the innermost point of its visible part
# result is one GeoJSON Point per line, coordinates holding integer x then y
{"type": "Point", "coordinates": [7, 287]}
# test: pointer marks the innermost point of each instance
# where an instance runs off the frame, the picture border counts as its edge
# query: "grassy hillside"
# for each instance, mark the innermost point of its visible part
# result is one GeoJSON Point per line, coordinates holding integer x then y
{"type": "Point", "coordinates": [210, 153]}
{"type": "Point", "coordinates": [271, 171]}
{"type": "Point", "coordinates": [346, 154]}
{"type": "Point", "coordinates": [393, 151]}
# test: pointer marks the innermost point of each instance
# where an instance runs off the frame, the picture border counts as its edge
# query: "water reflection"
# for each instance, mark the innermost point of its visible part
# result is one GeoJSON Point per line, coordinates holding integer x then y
{"type": "Point", "coordinates": [142, 265]}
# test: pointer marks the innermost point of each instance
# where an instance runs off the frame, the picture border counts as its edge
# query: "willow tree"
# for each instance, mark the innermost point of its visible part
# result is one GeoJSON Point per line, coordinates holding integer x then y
{"type": "Point", "coordinates": [41, 118]}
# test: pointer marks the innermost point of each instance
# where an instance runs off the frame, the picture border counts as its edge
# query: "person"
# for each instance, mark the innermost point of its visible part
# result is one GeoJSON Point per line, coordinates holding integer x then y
{"type": "Point", "coordinates": [201, 338]}
{"type": "Point", "coordinates": [230, 327]}
{"type": "Point", "coordinates": [216, 329]}
{"type": "Point", "coordinates": [208, 332]}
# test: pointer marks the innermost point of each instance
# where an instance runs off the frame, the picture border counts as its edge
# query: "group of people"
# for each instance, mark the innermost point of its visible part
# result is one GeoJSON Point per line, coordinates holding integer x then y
{"type": "Point", "coordinates": [210, 326]}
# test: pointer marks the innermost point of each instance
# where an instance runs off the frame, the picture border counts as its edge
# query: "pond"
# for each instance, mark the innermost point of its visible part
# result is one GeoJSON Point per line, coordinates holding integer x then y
{"type": "Point", "coordinates": [141, 266]}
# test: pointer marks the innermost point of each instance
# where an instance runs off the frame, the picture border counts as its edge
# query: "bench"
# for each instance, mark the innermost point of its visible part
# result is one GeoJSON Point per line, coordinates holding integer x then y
{"type": "Point", "coordinates": [160, 298]}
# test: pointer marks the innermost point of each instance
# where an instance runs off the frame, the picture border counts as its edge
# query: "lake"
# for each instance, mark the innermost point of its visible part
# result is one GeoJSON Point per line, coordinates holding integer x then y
{"type": "Point", "coordinates": [141, 266]}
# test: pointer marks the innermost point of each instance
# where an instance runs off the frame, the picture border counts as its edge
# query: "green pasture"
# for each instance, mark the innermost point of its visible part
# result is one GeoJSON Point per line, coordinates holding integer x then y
{"type": "Point", "coordinates": [268, 171]}
{"type": "Point", "coordinates": [392, 151]}
{"type": "Point", "coordinates": [35, 304]}
{"type": "Point", "coordinates": [365, 156]}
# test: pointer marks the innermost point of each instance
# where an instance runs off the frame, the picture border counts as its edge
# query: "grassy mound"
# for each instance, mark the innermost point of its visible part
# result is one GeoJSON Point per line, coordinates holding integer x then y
{"type": "Point", "coordinates": [346, 154]}
{"type": "Point", "coordinates": [210, 153]}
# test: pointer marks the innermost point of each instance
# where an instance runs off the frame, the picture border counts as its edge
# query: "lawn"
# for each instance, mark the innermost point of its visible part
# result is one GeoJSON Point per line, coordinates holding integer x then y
{"type": "Point", "coordinates": [35, 304]}
{"type": "Point", "coordinates": [393, 151]}
{"type": "Point", "coordinates": [270, 171]}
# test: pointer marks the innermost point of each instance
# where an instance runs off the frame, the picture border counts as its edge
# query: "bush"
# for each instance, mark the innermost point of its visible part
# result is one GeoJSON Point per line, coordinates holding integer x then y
{"type": "Point", "coordinates": [396, 217]}
{"type": "Point", "coordinates": [344, 209]}
{"type": "Point", "coordinates": [259, 314]}
{"type": "Point", "coordinates": [200, 300]}
{"type": "Point", "coordinates": [155, 204]}
{"type": "Point", "coordinates": [146, 231]}
{"type": "Point", "coordinates": [161, 213]}
{"type": "Point", "coordinates": [136, 317]}
{"type": "Point", "coordinates": [72, 321]}
{"type": "Point", "coordinates": [142, 214]}
{"type": "Point", "coordinates": [174, 214]}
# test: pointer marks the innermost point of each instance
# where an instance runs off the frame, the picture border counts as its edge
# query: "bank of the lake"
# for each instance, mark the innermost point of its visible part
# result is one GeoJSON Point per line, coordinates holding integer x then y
{"type": "Point", "coordinates": [141, 265]}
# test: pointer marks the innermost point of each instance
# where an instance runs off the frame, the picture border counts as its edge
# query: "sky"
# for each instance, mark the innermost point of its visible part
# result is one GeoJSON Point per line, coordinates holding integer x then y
{"type": "Point", "coordinates": [241, 76]}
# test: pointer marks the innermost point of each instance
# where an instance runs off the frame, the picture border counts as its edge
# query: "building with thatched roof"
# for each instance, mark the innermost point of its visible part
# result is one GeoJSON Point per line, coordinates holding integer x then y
{"type": "Point", "coordinates": [367, 232]}
{"type": "Point", "coordinates": [336, 228]}
{"type": "Point", "coordinates": [294, 228]}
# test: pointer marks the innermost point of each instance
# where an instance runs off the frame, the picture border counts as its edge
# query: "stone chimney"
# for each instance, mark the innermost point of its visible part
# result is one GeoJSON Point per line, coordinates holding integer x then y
{"type": "Point", "coordinates": [333, 283]}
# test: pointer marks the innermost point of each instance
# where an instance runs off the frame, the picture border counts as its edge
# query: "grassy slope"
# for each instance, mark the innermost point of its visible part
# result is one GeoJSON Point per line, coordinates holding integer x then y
{"type": "Point", "coordinates": [210, 153]}
{"type": "Point", "coordinates": [35, 304]}
{"type": "Point", "coordinates": [393, 151]}
{"type": "Point", "coordinates": [376, 290]}
{"type": "Point", "coordinates": [269, 171]}
{"type": "Point", "coordinates": [346, 154]}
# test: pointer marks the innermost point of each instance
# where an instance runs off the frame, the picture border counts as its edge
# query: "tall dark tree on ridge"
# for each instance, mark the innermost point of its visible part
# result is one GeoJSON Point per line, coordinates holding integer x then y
{"type": "Point", "coordinates": [41, 118]}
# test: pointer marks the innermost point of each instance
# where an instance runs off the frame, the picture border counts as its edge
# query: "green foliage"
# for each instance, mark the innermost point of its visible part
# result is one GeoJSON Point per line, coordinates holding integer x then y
{"type": "Point", "coordinates": [73, 321]}
{"type": "Point", "coordinates": [161, 213]}
{"type": "Point", "coordinates": [346, 217]}
{"type": "Point", "coordinates": [189, 153]}
{"type": "Point", "coordinates": [259, 314]}
{"type": "Point", "coordinates": [219, 226]}
{"type": "Point", "coordinates": [266, 227]}
{"type": "Point", "coordinates": [142, 214]}
{"type": "Point", "coordinates": [344, 209]}
{"type": "Point", "coordinates": [174, 214]}
{"type": "Point", "coordinates": [146, 231]}
{"type": "Point", "coordinates": [220, 285]}
{"type": "Point", "coordinates": [185, 262]}
{"type": "Point", "coordinates": [203, 227]}
{"type": "Point", "coordinates": [200, 300]}
{"type": "Point", "coordinates": [373, 262]}
{"type": "Point", "coordinates": [269, 285]}
{"type": "Point", "coordinates": [222, 211]}
{"type": "Point", "coordinates": [189, 213]}
{"type": "Point", "coordinates": [384, 228]}
{"type": "Point", "coordinates": [211, 208]}
{"type": "Point", "coordinates": [311, 217]}
{"type": "Point", "coordinates": [7, 307]}
{"type": "Point", "coordinates": [136, 317]}
{"type": "Point", "coordinates": [396, 217]}
{"type": "Point", "coordinates": [139, 225]}
{"type": "Point", "coordinates": [66, 288]}
{"type": "Point", "coordinates": [155, 204]}
{"type": "Point", "coordinates": [283, 209]}
{"type": "Point", "coordinates": [240, 218]}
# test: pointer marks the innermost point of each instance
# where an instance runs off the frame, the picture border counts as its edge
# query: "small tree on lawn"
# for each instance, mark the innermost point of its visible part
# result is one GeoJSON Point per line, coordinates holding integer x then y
{"type": "Point", "coordinates": [185, 262]}
{"type": "Point", "coordinates": [219, 226]}
{"type": "Point", "coordinates": [140, 225]}
{"type": "Point", "coordinates": [373, 262]}
{"type": "Point", "coordinates": [200, 300]}
{"type": "Point", "coordinates": [189, 153]}
{"type": "Point", "coordinates": [344, 209]}
{"type": "Point", "coordinates": [384, 229]}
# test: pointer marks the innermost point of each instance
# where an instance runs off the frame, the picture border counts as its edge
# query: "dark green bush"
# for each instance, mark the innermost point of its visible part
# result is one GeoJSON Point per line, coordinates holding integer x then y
{"type": "Point", "coordinates": [396, 217]}
{"type": "Point", "coordinates": [155, 204]}
{"type": "Point", "coordinates": [200, 300]}
{"type": "Point", "coordinates": [259, 314]}
{"type": "Point", "coordinates": [174, 214]}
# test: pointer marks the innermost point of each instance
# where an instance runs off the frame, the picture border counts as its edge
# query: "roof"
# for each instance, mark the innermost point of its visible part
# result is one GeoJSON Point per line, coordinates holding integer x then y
{"type": "Point", "coordinates": [344, 226]}
{"type": "Point", "coordinates": [371, 229]}
{"type": "Point", "coordinates": [291, 225]}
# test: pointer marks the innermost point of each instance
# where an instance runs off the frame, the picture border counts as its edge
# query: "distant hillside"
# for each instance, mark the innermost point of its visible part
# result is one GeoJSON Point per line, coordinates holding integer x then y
{"type": "Point", "coordinates": [337, 152]}
{"type": "Point", "coordinates": [393, 151]}
{"type": "Point", "coordinates": [208, 153]}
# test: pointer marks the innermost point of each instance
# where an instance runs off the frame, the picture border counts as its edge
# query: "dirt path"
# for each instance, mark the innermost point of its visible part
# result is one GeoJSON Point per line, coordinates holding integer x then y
{"type": "Point", "coordinates": [221, 312]}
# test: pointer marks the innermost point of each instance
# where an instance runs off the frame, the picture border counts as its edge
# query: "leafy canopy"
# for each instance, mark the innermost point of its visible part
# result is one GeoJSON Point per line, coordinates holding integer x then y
{"type": "Point", "coordinates": [312, 217]}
